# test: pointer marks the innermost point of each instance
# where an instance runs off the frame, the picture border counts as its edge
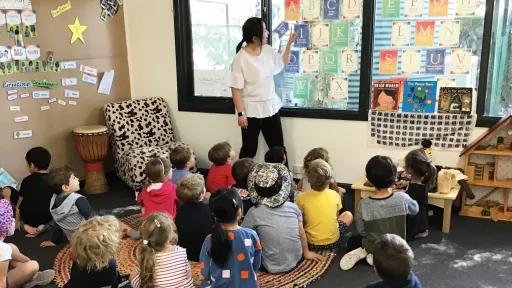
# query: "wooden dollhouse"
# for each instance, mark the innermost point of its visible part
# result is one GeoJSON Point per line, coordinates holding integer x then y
{"type": "Point", "coordinates": [488, 165]}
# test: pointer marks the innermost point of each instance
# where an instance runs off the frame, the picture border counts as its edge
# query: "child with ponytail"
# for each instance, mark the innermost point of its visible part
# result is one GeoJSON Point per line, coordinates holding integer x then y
{"type": "Point", "coordinates": [231, 255]}
{"type": "Point", "coordinates": [162, 263]}
{"type": "Point", "coordinates": [423, 176]}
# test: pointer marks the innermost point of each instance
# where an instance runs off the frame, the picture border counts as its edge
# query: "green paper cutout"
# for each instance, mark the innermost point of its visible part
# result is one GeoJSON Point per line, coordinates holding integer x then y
{"type": "Point", "coordinates": [329, 61]}
{"type": "Point", "coordinates": [340, 34]}
{"type": "Point", "coordinates": [390, 8]}
{"type": "Point", "coordinates": [44, 84]}
{"type": "Point", "coordinates": [301, 87]}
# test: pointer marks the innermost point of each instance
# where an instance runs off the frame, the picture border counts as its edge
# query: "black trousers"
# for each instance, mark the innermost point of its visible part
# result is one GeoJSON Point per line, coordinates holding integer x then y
{"type": "Point", "coordinates": [272, 132]}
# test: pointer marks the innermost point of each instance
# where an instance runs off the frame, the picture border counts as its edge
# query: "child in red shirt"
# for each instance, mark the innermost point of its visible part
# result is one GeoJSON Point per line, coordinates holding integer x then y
{"type": "Point", "coordinates": [160, 195]}
{"type": "Point", "coordinates": [219, 176]}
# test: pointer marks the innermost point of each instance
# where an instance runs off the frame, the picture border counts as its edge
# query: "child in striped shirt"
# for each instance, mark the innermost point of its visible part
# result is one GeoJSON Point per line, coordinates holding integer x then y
{"type": "Point", "coordinates": [162, 262]}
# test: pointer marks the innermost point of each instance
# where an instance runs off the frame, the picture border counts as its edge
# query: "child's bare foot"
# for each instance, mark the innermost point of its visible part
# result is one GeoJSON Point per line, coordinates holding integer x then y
{"type": "Point", "coordinates": [423, 234]}
{"type": "Point", "coordinates": [47, 243]}
{"type": "Point", "coordinates": [32, 231]}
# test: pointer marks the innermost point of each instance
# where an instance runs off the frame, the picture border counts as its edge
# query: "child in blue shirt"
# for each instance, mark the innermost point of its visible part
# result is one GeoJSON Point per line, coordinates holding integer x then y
{"type": "Point", "coordinates": [182, 160]}
{"type": "Point", "coordinates": [231, 255]}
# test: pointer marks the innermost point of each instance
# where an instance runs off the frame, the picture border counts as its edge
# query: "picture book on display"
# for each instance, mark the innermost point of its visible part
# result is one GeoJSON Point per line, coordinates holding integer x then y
{"type": "Point", "coordinates": [386, 96]}
{"type": "Point", "coordinates": [419, 96]}
{"type": "Point", "coordinates": [455, 100]}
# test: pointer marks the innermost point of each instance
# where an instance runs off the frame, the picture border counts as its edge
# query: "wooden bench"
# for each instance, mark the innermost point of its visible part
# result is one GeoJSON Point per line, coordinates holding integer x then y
{"type": "Point", "coordinates": [444, 201]}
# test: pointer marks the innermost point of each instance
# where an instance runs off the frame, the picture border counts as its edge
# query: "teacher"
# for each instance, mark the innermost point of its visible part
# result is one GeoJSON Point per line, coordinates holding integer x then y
{"type": "Point", "coordinates": [252, 87]}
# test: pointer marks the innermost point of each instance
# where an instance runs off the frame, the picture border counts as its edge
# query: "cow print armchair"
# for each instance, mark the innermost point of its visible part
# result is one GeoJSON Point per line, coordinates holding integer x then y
{"type": "Point", "coordinates": [139, 131]}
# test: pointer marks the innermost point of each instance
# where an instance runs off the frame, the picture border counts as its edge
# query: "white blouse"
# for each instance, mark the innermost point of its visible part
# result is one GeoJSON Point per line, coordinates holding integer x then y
{"type": "Point", "coordinates": [254, 76]}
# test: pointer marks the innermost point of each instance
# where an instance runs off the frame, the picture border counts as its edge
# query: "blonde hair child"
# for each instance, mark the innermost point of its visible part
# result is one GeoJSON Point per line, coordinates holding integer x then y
{"type": "Point", "coordinates": [94, 246]}
{"type": "Point", "coordinates": [159, 253]}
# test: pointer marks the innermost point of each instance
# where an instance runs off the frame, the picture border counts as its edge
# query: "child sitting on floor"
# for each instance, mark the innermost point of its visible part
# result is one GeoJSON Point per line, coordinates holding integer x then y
{"type": "Point", "coordinates": [219, 175]}
{"type": "Point", "coordinates": [193, 220]}
{"type": "Point", "coordinates": [423, 175]}
{"type": "Point", "coordinates": [231, 255]}
{"type": "Point", "coordinates": [277, 221]}
{"type": "Point", "coordinates": [68, 208]}
{"type": "Point", "coordinates": [32, 211]}
{"type": "Point", "coordinates": [160, 194]}
{"type": "Point", "coordinates": [94, 247]}
{"type": "Point", "coordinates": [384, 212]}
{"type": "Point", "coordinates": [240, 171]}
{"type": "Point", "coordinates": [162, 262]}
{"type": "Point", "coordinates": [325, 226]}
{"type": "Point", "coordinates": [276, 154]}
{"type": "Point", "coordinates": [393, 262]}
{"type": "Point", "coordinates": [16, 269]}
{"type": "Point", "coordinates": [313, 154]}
{"type": "Point", "coordinates": [182, 159]}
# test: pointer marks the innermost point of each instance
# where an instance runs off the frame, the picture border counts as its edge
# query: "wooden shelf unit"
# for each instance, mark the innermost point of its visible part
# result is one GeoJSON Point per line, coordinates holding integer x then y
{"type": "Point", "coordinates": [505, 185]}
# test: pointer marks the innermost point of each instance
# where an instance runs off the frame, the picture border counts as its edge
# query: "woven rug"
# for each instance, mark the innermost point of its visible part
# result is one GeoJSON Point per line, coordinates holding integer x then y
{"type": "Point", "coordinates": [304, 274]}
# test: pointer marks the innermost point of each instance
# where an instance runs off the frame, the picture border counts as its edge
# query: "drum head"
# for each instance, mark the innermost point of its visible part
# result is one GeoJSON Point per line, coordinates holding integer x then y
{"type": "Point", "coordinates": [91, 129]}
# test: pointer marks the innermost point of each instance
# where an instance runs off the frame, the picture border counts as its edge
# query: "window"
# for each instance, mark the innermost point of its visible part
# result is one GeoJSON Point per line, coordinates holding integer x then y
{"type": "Point", "coordinates": [207, 32]}
{"type": "Point", "coordinates": [325, 71]}
{"type": "Point", "coordinates": [499, 79]}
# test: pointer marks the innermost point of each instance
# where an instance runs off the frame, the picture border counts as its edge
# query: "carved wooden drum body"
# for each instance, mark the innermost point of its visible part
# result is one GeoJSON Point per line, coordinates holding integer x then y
{"type": "Point", "coordinates": [91, 143]}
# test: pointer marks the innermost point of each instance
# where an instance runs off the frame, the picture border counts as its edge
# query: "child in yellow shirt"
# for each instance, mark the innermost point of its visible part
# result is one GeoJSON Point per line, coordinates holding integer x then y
{"type": "Point", "coordinates": [320, 208]}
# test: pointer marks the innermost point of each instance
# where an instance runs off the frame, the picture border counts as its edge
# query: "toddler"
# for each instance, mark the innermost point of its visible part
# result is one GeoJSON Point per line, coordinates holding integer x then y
{"type": "Point", "coordinates": [384, 212]}
{"type": "Point", "coordinates": [94, 247]}
{"type": "Point", "coordinates": [35, 194]}
{"type": "Point", "coordinates": [68, 208]}
{"type": "Point", "coordinates": [182, 159]}
{"type": "Point", "coordinates": [219, 175]}
{"type": "Point", "coordinates": [193, 220]}
{"type": "Point", "coordinates": [162, 262]}
{"type": "Point", "coordinates": [231, 255]}
{"type": "Point", "coordinates": [321, 207]}
{"type": "Point", "coordinates": [160, 194]}
{"type": "Point", "coordinates": [423, 176]}
{"type": "Point", "coordinates": [393, 262]}
{"type": "Point", "coordinates": [240, 171]}
{"type": "Point", "coordinates": [313, 154]}
{"type": "Point", "coordinates": [276, 154]}
{"type": "Point", "coordinates": [17, 269]}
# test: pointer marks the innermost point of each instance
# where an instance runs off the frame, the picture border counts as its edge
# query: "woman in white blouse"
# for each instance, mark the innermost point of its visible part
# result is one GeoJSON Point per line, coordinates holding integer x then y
{"type": "Point", "coordinates": [252, 87]}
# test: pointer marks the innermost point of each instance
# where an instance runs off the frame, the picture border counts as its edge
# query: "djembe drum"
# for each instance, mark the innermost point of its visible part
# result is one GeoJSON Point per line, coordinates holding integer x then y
{"type": "Point", "coordinates": [91, 142]}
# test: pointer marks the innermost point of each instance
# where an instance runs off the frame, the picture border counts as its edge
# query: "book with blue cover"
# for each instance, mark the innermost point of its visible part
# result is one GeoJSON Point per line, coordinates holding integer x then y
{"type": "Point", "coordinates": [419, 96]}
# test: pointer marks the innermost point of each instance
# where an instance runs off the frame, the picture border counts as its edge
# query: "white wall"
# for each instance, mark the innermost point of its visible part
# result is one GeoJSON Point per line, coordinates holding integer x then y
{"type": "Point", "coordinates": [151, 57]}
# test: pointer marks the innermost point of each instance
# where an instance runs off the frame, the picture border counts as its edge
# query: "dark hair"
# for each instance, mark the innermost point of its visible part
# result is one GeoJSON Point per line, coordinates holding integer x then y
{"type": "Point", "coordinates": [276, 154]}
{"type": "Point", "coordinates": [381, 171]}
{"type": "Point", "coordinates": [59, 176]}
{"type": "Point", "coordinates": [219, 153]}
{"type": "Point", "coordinates": [240, 171]}
{"type": "Point", "coordinates": [224, 205]}
{"type": "Point", "coordinates": [313, 154]}
{"type": "Point", "coordinates": [180, 156]}
{"type": "Point", "coordinates": [39, 157]}
{"type": "Point", "coordinates": [253, 27]}
{"type": "Point", "coordinates": [418, 164]}
{"type": "Point", "coordinates": [392, 258]}
{"type": "Point", "coordinates": [156, 169]}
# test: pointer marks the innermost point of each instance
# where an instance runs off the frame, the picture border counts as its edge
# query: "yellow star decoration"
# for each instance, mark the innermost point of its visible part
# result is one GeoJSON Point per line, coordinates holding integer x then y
{"type": "Point", "coordinates": [77, 29]}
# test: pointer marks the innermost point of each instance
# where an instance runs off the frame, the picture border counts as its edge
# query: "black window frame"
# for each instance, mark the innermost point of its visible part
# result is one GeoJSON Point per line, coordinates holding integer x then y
{"type": "Point", "coordinates": [187, 101]}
